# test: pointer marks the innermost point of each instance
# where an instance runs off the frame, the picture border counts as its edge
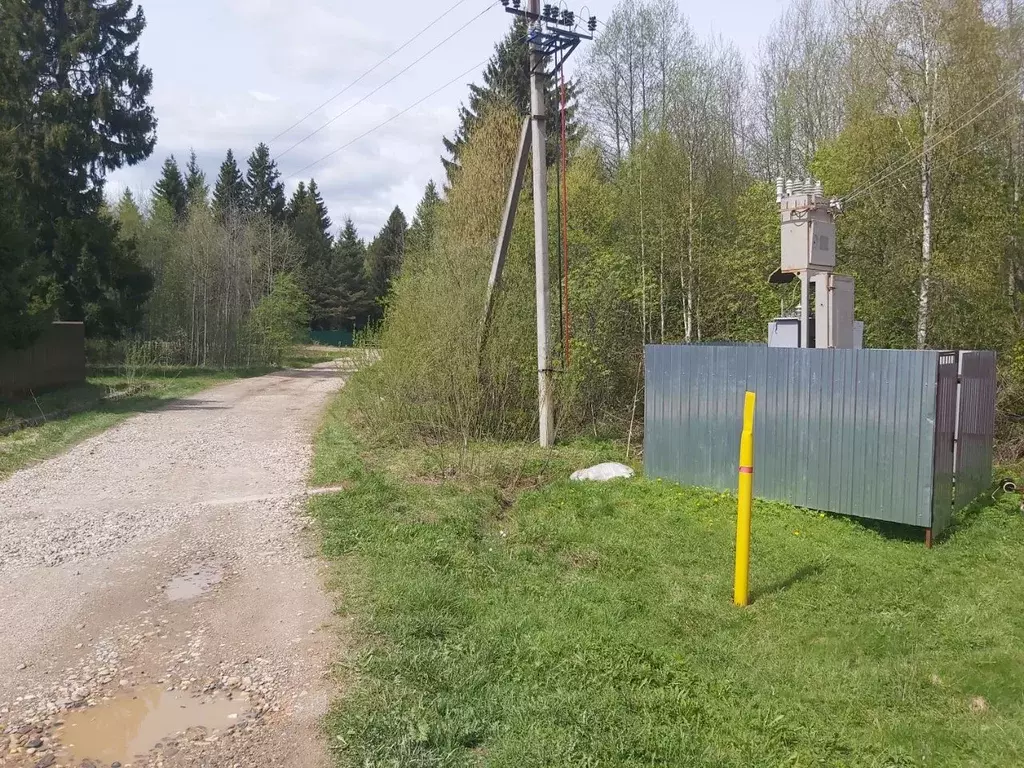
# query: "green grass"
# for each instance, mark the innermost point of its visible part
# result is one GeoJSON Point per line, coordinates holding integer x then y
{"type": "Point", "coordinates": [311, 354]}
{"type": "Point", "coordinates": [507, 617]}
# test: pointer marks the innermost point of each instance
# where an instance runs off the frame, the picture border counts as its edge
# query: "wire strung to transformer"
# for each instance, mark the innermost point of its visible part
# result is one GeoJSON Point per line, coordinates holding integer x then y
{"type": "Point", "coordinates": [562, 202]}
{"type": "Point", "coordinates": [555, 33]}
{"type": "Point", "coordinates": [558, 270]}
{"type": "Point", "coordinates": [564, 205]}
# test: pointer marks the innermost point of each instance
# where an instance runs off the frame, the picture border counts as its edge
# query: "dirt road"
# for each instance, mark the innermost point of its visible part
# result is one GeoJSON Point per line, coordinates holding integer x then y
{"type": "Point", "coordinates": [159, 601]}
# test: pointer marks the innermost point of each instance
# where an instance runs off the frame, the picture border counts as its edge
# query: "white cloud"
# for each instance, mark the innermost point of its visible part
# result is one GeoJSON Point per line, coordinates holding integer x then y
{"type": "Point", "coordinates": [313, 40]}
{"type": "Point", "coordinates": [266, 98]}
{"type": "Point", "coordinates": [251, 68]}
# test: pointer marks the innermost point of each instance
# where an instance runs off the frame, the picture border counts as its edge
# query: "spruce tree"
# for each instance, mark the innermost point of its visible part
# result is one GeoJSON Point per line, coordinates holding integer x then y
{"type": "Point", "coordinates": [129, 216]}
{"type": "Point", "coordinates": [354, 292]}
{"type": "Point", "coordinates": [22, 308]}
{"type": "Point", "coordinates": [421, 232]}
{"type": "Point", "coordinates": [197, 191]}
{"type": "Point", "coordinates": [264, 188]}
{"type": "Point", "coordinates": [307, 215]}
{"type": "Point", "coordinates": [506, 80]}
{"type": "Point", "coordinates": [296, 203]}
{"type": "Point", "coordinates": [309, 222]}
{"type": "Point", "coordinates": [229, 193]}
{"type": "Point", "coordinates": [86, 114]}
{"type": "Point", "coordinates": [323, 220]}
{"type": "Point", "coordinates": [20, 316]}
{"type": "Point", "coordinates": [171, 188]}
{"type": "Point", "coordinates": [384, 256]}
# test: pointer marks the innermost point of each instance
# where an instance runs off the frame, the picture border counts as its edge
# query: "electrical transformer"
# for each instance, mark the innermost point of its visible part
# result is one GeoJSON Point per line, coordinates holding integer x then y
{"type": "Point", "coordinates": [825, 319]}
{"type": "Point", "coordinates": [808, 231]}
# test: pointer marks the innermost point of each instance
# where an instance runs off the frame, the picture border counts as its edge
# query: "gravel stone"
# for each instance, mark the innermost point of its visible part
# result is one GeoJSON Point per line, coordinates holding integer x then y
{"type": "Point", "coordinates": [96, 538]}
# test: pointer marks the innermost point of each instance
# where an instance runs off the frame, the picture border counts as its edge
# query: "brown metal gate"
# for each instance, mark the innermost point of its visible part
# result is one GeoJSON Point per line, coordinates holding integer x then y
{"type": "Point", "coordinates": [975, 426]}
{"type": "Point", "coordinates": [964, 431]}
{"type": "Point", "coordinates": [945, 440]}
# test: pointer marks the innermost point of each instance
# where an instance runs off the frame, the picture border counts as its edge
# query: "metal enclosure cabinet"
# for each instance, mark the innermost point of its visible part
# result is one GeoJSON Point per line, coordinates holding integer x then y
{"type": "Point", "coordinates": [808, 239]}
{"type": "Point", "coordinates": [833, 312]}
{"type": "Point", "coordinates": [784, 332]}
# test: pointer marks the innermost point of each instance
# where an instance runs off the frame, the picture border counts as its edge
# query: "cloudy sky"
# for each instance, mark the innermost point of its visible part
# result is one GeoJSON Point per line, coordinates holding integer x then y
{"type": "Point", "coordinates": [232, 73]}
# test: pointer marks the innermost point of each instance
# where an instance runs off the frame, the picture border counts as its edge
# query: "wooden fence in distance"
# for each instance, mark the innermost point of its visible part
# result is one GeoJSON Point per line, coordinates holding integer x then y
{"type": "Point", "coordinates": [56, 359]}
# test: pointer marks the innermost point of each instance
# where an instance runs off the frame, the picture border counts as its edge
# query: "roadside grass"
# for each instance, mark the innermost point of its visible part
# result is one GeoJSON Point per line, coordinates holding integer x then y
{"type": "Point", "coordinates": [308, 355]}
{"type": "Point", "coordinates": [90, 409]}
{"type": "Point", "coordinates": [509, 617]}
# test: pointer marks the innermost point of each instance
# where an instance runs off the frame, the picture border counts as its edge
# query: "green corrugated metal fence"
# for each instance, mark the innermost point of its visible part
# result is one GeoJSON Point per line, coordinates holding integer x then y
{"type": "Point", "coordinates": [341, 338]}
{"type": "Point", "coordinates": [847, 431]}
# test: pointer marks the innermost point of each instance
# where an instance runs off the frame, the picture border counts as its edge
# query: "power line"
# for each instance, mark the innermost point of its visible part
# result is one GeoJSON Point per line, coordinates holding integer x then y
{"type": "Point", "coordinates": [382, 85]}
{"type": "Point", "coordinates": [393, 117]}
{"type": "Point", "coordinates": [910, 157]}
{"type": "Point", "coordinates": [907, 154]}
{"type": "Point", "coordinates": [344, 90]}
{"type": "Point", "coordinates": [931, 146]}
{"type": "Point", "coordinates": [946, 162]}
{"type": "Point", "coordinates": [390, 119]}
{"type": "Point", "coordinates": [856, 192]}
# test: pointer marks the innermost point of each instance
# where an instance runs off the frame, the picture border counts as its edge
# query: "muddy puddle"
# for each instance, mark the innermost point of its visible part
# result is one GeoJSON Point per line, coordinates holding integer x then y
{"type": "Point", "coordinates": [132, 723]}
{"type": "Point", "coordinates": [196, 581]}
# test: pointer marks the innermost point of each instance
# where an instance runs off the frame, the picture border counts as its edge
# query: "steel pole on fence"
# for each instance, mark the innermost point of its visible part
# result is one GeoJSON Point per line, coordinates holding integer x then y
{"type": "Point", "coordinates": [741, 585]}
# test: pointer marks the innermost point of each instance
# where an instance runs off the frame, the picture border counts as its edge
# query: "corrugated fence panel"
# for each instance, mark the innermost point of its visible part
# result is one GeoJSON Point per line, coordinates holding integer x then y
{"type": "Point", "coordinates": [848, 431]}
{"type": "Point", "coordinates": [976, 426]}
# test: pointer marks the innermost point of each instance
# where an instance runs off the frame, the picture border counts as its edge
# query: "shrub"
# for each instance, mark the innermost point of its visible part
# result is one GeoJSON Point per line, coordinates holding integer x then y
{"type": "Point", "coordinates": [279, 320]}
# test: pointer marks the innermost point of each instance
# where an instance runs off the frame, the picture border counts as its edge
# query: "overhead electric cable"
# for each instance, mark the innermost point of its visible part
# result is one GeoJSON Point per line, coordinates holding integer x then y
{"type": "Point", "coordinates": [385, 83]}
{"type": "Point", "coordinates": [344, 90]}
{"type": "Point", "coordinates": [897, 165]}
{"type": "Point", "coordinates": [948, 161]}
{"type": "Point", "coordinates": [930, 148]}
{"type": "Point", "coordinates": [392, 118]}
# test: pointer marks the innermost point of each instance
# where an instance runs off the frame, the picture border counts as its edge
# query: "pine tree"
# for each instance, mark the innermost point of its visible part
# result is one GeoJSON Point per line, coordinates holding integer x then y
{"type": "Point", "coordinates": [421, 232]}
{"type": "Point", "coordinates": [128, 215]}
{"type": "Point", "coordinates": [308, 219]}
{"type": "Point", "coordinates": [19, 322]}
{"type": "Point", "coordinates": [354, 292]}
{"type": "Point", "coordinates": [171, 188]}
{"type": "Point", "coordinates": [385, 254]}
{"type": "Point", "coordinates": [196, 189]}
{"type": "Point", "coordinates": [86, 115]}
{"type": "Point", "coordinates": [265, 191]}
{"type": "Point", "coordinates": [229, 193]}
{"type": "Point", "coordinates": [507, 81]}
{"type": "Point", "coordinates": [297, 203]}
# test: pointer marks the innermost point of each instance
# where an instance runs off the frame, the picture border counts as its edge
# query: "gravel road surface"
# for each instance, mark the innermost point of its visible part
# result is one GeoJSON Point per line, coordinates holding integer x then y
{"type": "Point", "coordinates": [172, 551]}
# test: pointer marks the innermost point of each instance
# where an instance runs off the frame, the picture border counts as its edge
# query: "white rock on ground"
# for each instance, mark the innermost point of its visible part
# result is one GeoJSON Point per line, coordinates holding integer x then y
{"type": "Point", "coordinates": [610, 470]}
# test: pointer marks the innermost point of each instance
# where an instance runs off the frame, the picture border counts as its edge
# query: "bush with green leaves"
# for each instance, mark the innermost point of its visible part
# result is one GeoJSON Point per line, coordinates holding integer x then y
{"type": "Point", "coordinates": [280, 320]}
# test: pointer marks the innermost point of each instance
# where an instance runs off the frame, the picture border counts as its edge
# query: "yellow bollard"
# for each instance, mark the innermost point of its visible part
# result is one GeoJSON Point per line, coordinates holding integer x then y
{"type": "Point", "coordinates": [741, 589]}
